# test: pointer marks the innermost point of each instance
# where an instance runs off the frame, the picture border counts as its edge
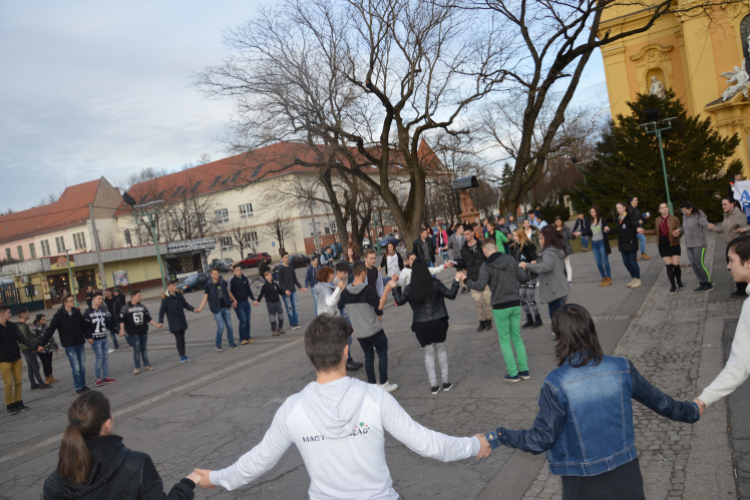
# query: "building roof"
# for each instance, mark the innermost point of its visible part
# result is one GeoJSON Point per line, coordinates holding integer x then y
{"type": "Point", "coordinates": [71, 209]}
{"type": "Point", "coordinates": [239, 170]}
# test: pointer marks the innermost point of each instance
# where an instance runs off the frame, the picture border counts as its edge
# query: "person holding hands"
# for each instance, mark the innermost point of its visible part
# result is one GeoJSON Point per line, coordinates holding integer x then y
{"type": "Point", "coordinates": [289, 284]}
{"type": "Point", "coordinates": [134, 319]}
{"type": "Point", "coordinates": [174, 305]}
{"type": "Point", "coordinates": [220, 301]}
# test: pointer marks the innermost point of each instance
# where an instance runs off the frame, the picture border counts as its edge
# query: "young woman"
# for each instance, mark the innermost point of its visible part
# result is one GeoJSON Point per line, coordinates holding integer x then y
{"type": "Point", "coordinates": [532, 232]}
{"type": "Point", "coordinates": [351, 258]}
{"type": "Point", "coordinates": [585, 420]}
{"type": "Point", "coordinates": [565, 234]}
{"type": "Point", "coordinates": [553, 286]}
{"type": "Point", "coordinates": [441, 243]}
{"type": "Point", "coordinates": [391, 261]}
{"type": "Point", "coordinates": [523, 250]}
{"type": "Point", "coordinates": [627, 229]}
{"type": "Point", "coordinates": [633, 200]}
{"type": "Point", "coordinates": [500, 239]}
{"type": "Point", "coordinates": [93, 464]}
{"type": "Point", "coordinates": [599, 244]}
{"type": "Point", "coordinates": [327, 293]}
{"type": "Point", "coordinates": [733, 225]}
{"type": "Point", "coordinates": [311, 280]}
{"type": "Point", "coordinates": [426, 296]}
{"type": "Point", "coordinates": [693, 222]}
{"type": "Point", "coordinates": [669, 246]}
{"type": "Point", "coordinates": [38, 329]}
{"type": "Point", "coordinates": [174, 305]}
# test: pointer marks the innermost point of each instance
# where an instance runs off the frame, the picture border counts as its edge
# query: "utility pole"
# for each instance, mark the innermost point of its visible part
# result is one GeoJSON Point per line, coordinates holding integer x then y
{"type": "Point", "coordinates": [653, 116]}
{"type": "Point", "coordinates": [315, 229]}
{"type": "Point", "coordinates": [98, 248]}
{"type": "Point", "coordinates": [70, 278]}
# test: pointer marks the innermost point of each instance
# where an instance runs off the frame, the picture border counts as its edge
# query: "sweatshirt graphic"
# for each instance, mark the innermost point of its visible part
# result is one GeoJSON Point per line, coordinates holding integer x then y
{"type": "Point", "coordinates": [98, 322]}
{"type": "Point", "coordinates": [136, 318]}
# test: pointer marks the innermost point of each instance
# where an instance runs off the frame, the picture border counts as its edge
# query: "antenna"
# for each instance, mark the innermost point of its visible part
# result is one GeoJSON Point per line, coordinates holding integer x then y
{"type": "Point", "coordinates": [65, 181]}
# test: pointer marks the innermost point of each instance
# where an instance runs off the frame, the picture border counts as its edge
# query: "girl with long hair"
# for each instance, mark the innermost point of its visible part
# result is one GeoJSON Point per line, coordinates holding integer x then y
{"type": "Point", "coordinates": [38, 329]}
{"type": "Point", "coordinates": [532, 232]}
{"type": "Point", "coordinates": [668, 230]}
{"type": "Point", "coordinates": [599, 244]}
{"type": "Point", "coordinates": [565, 234]}
{"type": "Point", "coordinates": [351, 258]}
{"type": "Point", "coordinates": [441, 242]}
{"type": "Point", "coordinates": [426, 296]}
{"type": "Point", "coordinates": [733, 225]}
{"type": "Point", "coordinates": [93, 464]}
{"type": "Point", "coordinates": [391, 261]}
{"type": "Point", "coordinates": [553, 286]}
{"type": "Point", "coordinates": [693, 223]}
{"type": "Point", "coordinates": [627, 228]}
{"type": "Point", "coordinates": [523, 250]}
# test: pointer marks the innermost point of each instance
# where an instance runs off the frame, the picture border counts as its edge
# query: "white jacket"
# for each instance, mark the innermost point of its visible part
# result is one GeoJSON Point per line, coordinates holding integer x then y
{"type": "Point", "coordinates": [327, 295]}
{"type": "Point", "coordinates": [405, 277]}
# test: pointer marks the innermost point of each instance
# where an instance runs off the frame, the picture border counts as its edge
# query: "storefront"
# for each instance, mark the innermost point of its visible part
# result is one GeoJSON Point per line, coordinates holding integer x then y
{"type": "Point", "coordinates": [184, 258]}
{"type": "Point", "coordinates": [56, 281]}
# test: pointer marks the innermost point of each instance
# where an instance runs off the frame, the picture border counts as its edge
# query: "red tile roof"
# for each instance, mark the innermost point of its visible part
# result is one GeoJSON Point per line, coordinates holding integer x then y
{"type": "Point", "coordinates": [70, 210]}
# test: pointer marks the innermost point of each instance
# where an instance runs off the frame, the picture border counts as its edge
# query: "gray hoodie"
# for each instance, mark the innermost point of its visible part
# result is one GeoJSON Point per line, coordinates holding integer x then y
{"type": "Point", "coordinates": [362, 308]}
{"type": "Point", "coordinates": [553, 284]}
{"type": "Point", "coordinates": [692, 228]}
{"type": "Point", "coordinates": [733, 221]}
{"type": "Point", "coordinates": [502, 273]}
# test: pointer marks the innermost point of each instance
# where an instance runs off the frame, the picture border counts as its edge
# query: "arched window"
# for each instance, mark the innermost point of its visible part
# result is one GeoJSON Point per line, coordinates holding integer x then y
{"type": "Point", "coordinates": [744, 33]}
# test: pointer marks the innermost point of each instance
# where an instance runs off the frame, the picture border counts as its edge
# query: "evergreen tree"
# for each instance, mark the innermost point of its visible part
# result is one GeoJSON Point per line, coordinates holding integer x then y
{"type": "Point", "coordinates": [628, 163]}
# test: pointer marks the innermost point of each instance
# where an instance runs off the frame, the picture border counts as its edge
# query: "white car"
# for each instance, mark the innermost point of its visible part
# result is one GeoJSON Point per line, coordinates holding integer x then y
{"type": "Point", "coordinates": [366, 243]}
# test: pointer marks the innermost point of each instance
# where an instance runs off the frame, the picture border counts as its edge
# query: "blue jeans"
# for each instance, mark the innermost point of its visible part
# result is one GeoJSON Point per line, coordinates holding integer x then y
{"type": "Point", "coordinates": [380, 343]}
{"type": "Point", "coordinates": [315, 302]}
{"type": "Point", "coordinates": [223, 317]}
{"type": "Point", "coordinates": [77, 357]}
{"type": "Point", "coordinates": [290, 302]}
{"type": "Point", "coordinates": [139, 349]}
{"type": "Point", "coordinates": [631, 264]}
{"type": "Point", "coordinates": [553, 306]}
{"type": "Point", "coordinates": [243, 315]}
{"type": "Point", "coordinates": [642, 240]}
{"type": "Point", "coordinates": [600, 256]}
{"type": "Point", "coordinates": [445, 255]}
{"type": "Point", "coordinates": [114, 339]}
{"type": "Point", "coordinates": [585, 241]}
{"type": "Point", "coordinates": [102, 357]}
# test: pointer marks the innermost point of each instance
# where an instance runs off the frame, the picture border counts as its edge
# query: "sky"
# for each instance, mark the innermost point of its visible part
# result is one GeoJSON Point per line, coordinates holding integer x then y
{"type": "Point", "coordinates": [92, 88]}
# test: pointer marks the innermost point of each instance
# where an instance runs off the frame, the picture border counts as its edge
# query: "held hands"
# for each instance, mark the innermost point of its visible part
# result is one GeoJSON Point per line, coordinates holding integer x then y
{"type": "Point", "coordinates": [303, 290]}
{"type": "Point", "coordinates": [40, 349]}
{"type": "Point", "coordinates": [203, 479]}
{"type": "Point", "coordinates": [577, 234]}
{"type": "Point", "coordinates": [341, 285]}
{"type": "Point", "coordinates": [234, 304]}
{"type": "Point", "coordinates": [460, 275]}
{"type": "Point", "coordinates": [710, 226]}
{"type": "Point", "coordinates": [742, 230]}
{"type": "Point", "coordinates": [449, 264]}
{"type": "Point", "coordinates": [287, 293]}
{"type": "Point", "coordinates": [606, 229]}
{"type": "Point", "coordinates": [484, 447]}
{"type": "Point", "coordinates": [676, 233]}
{"type": "Point", "coordinates": [522, 265]}
{"type": "Point", "coordinates": [90, 341]}
{"type": "Point", "coordinates": [701, 405]}
{"type": "Point", "coordinates": [256, 303]}
{"type": "Point", "coordinates": [198, 310]}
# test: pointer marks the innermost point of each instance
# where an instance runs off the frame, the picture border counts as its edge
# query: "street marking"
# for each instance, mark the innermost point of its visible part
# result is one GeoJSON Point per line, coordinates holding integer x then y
{"type": "Point", "coordinates": [127, 409]}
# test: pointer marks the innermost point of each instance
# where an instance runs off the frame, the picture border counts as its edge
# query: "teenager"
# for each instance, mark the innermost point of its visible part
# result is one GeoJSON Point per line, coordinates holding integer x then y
{"type": "Point", "coordinates": [11, 366]}
{"type": "Point", "coordinates": [109, 305]}
{"type": "Point", "coordinates": [32, 359]}
{"type": "Point", "coordinates": [174, 305]}
{"type": "Point", "coordinates": [532, 232]}
{"type": "Point", "coordinates": [93, 463]}
{"type": "Point", "coordinates": [627, 228]}
{"type": "Point", "coordinates": [134, 319]}
{"type": "Point", "coordinates": [289, 284]}
{"type": "Point", "coordinates": [426, 296]}
{"type": "Point", "coordinates": [339, 424]}
{"type": "Point", "coordinates": [582, 225]}
{"type": "Point", "coordinates": [550, 268]}
{"type": "Point", "coordinates": [565, 234]}
{"type": "Point", "coordinates": [585, 419]}
{"type": "Point", "coordinates": [511, 225]}
{"type": "Point", "coordinates": [472, 258]}
{"type": "Point", "coordinates": [99, 323]}
{"type": "Point", "coordinates": [523, 250]}
{"type": "Point", "coordinates": [272, 291]}
{"type": "Point", "coordinates": [641, 219]}
{"type": "Point", "coordinates": [311, 280]}
{"type": "Point", "coordinates": [535, 219]}
{"type": "Point", "coordinates": [455, 243]}
{"type": "Point", "coordinates": [119, 302]}
{"type": "Point", "coordinates": [501, 274]}
{"type": "Point", "coordinates": [693, 222]}
{"type": "Point", "coordinates": [424, 247]}
{"type": "Point", "coordinates": [351, 258]}
{"type": "Point", "coordinates": [668, 230]}
{"type": "Point", "coordinates": [342, 277]}
{"type": "Point", "coordinates": [220, 300]}
{"type": "Point", "coordinates": [392, 262]}
{"type": "Point", "coordinates": [38, 328]}
{"type": "Point", "coordinates": [733, 225]}
{"type": "Point", "coordinates": [326, 292]}
{"type": "Point", "coordinates": [68, 322]}
{"type": "Point", "coordinates": [372, 274]}
{"type": "Point", "coordinates": [599, 244]}
{"type": "Point", "coordinates": [404, 277]}
{"type": "Point", "coordinates": [442, 239]}
{"type": "Point", "coordinates": [362, 305]}
{"type": "Point", "coordinates": [239, 287]}
{"type": "Point", "coordinates": [501, 240]}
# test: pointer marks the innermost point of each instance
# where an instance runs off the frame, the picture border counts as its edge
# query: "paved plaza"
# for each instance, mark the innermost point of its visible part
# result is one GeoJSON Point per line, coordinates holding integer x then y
{"type": "Point", "coordinates": [208, 412]}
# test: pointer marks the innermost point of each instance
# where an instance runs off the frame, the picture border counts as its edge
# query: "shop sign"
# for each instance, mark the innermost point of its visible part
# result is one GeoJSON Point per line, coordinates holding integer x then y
{"type": "Point", "coordinates": [191, 245]}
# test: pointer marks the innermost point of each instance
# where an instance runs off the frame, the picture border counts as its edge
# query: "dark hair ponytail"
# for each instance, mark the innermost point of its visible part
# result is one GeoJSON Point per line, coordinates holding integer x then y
{"type": "Point", "coordinates": [86, 416]}
{"type": "Point", "coordinates": [422, 286]}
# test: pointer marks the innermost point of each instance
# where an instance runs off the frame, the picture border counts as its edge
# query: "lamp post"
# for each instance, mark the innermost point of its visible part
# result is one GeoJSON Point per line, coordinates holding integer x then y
{"type": "Point", "coordinates": [655, 126]}
{"type": "Point", "coordinates": [148, 210]}
{"type": "Point", "coordinates": [70, 278]}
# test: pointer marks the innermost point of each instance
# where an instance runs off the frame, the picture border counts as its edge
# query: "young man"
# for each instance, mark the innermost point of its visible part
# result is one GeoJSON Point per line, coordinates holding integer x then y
{"type": "Point", "coordinates": [219, 298]}
{"type": "Point", "coordinates": [311, 277]}
{"type": "Point", "coordinates": [89, 294]}
{"type": "Point", "coordinates": [118, 303]}
{"type": "Point", "coordinates": [271, 290]}
{"type": "Point", "coordinates": [338, 424]}
{"type": "Point", "coordinates": [424, 247]}
{"type": "Point", "coordinates": [289, 283]}
{"type": "Point", "coordinates": [363, 310]}
{"type": "Point", "coordinates": [372, 277]}
{"type": "Point", "coordinates": [11, 366]}
{"type": "Point", "coordinates": [239, 287]}
{"type": "Point", "coordinates": [100, 323]}
{"type": "Point", "coordinates": [502, 275]}
{"type": "Point", "coordinates": [455, 242]}
{"type": "Point", "coordinates": [32, 359]}
{"type": "Point", "coordinates": [134, 319]}
{"type": "Point", "coordinates": [535, 219]}
{"type": "Point", "coordinates": [342, 276]}
{"type": "Point", "coordinates": [109, 305]}
{"type": "Point", "coordinates": [68, 322]}
{"type": "Point", "coordinates": [472, 258]}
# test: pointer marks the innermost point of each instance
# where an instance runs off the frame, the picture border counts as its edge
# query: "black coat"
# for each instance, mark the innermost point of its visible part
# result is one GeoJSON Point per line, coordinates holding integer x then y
{"type": "Point", "coordinates": [589, 233]}
{"type": "Point", "coordinates": [418, 249]}
{"type": "Point", "coordinates": [10, 336]}
{"type": "Point", "coordinates": [116, 472]}
{"type": "Point", "coordinates": [472, 260]}
{"type": "Point", "coordinates": [627, 233]}
{"type": "Point", "coordinates": [384, 262]}
{"type": "Point", "coordinates": [431, 310]}
{"type": "Point", "coordinates": [70, 327]}
{"type": "Point", "coordinates": [527, 253]}
{"type": "Point", "coordinates": [174, 306]}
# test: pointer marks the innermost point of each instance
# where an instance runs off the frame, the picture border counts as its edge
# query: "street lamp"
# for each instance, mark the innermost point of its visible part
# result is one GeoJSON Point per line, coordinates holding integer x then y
{"type": "Point", "coordinates": [579, 166]}
{"type": "Point", "coordinates": [149, 210]}
{"type": "Point", "coordinates": [652, 115]}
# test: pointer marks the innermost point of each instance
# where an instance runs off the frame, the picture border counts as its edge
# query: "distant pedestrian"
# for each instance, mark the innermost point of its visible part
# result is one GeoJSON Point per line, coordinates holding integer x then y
{"type": "Point", "coordinates": [220, 301]}
{"type": "Point", "coordinates": [134, 319]}
{"type": "Point", "coordinates": [641, 218]}
{"type": "Point", "coordinates": [550, 268]}
{"type": "Point", "coordinates": [582, 226]}
{"type": "Point", "coordinates": [119, 302]}
{"type": "Point", "coordinates": [668, 230]}
{"type": "Point", "coordinates": [599, 244]}
{"type": "Point", "coordinates": [11, 366]}
{"type": "Point", "coordinates": [494, 232]}
{"type": "Point", "coordinates": [99, 323]}
{"type": "Point", "coordinates": [239, 287]}
{"type": "Point", "coordinates": [565, 235]}
{"type": "Point", "coordinates": [289, 284]}
{"type": "Point", "coordinates": [511, 225]}
{"type": "Point", "coordinates": [89, 294]}
{"type": "Point", "coordinates": [109, 305]}
{"type": "Point", "coordinates": [737, 178]}
{"type": "Point", "coordinates": [472, 258]}
{"type": "Point", "coordinates": [627, 229]}
{"type": "Point", "coordinates": [32, 359]}
{"type": "Point", "coordinates": [733, 225]}
{"type": "Point", "coordinates": [272, 291]}
{"type": "Point", "coordinates": [68, 322]}
{"type": "Point", "coordinates": [424, 247]}
{"type": "Point", "coordinates": [523, 250]}
{"type": "Point", "coordinates": [693, 223]}
{"type": "Point", "coordinates": [174, 305]}
{"type": "Point", "coordinates": [373, 278]}
{"type": "Point", "coordinates": [37, 329]}
{"type": "Point", "coordinates": [441, 240]}
{"type": "Point", "coordinates": [310, 278]}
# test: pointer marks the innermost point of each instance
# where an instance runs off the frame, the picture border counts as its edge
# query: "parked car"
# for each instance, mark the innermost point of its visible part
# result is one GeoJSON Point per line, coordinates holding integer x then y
{"type": "Point", "coordinates": [194, 282]}
{"type": "Point", "coordinates": [296, 261]}
{"type": "Point", "coordinates": [221, 265]}
{"type": "Point", "coordinates": [366, 243]}
{"type": "Point", "coordinates": [390, 237]}
{"type": "Point", "coordinates": [253, 259]}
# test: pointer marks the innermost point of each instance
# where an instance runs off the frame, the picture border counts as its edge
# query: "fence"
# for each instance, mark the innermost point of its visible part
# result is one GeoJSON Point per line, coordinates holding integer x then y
{"type": "Point", "coordinates": [28, 297]}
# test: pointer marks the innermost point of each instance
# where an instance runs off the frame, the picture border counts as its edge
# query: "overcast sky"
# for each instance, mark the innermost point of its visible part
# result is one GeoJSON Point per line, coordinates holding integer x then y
{"type": "Point", "coordinates": [92, 88]}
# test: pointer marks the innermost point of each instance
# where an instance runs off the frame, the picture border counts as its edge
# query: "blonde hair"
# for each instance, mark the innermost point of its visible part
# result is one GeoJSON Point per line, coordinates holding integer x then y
{"type": "Point", "coordinates": [522, 238]}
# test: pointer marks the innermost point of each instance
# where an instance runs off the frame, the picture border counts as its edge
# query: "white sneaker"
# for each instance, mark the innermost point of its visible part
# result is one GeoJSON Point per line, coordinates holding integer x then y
{"type": "Point", "coordinates": [630, 285]}
{"type": "Point", "coordinates": [389, 387]}
{"type": "Point", "coordinates": [110, 351]}
{"type": "Point", "coordinates": [636, 284]}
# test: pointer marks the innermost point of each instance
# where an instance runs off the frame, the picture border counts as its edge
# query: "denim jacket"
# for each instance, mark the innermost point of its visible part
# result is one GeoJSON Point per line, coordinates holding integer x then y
{"type": "Point", "coordinates": [585, 419]}
{"type": "Point", "coordinates": [213, 297]}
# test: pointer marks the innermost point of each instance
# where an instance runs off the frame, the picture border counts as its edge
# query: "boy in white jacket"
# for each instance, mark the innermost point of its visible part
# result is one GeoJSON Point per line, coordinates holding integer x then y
{"type": "Point", "coordinates": [338, 424]}
{"type": "Point", "coordinates": [404, 277]}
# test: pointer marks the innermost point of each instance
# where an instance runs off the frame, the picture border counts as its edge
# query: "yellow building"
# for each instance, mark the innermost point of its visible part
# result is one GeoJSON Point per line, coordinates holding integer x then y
{"type": "Point", "coordinates": [687, 53]}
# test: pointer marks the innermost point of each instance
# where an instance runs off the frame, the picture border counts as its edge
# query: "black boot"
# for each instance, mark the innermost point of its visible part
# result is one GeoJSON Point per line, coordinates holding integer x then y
{"type": "Point", "coordinates": [678, 276]}
{"type": "Point", "coordinates": [529, 321]}
{"type": "Point", "coordinates": [481, 326]}
{"type": "Point", "coordinates": [537, 321]}
{"type": "Point", "coordinates": [488, 324]}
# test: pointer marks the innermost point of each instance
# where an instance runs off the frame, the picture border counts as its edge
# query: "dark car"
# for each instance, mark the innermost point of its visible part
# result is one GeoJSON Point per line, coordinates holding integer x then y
{"type": "Point", "coordinates": [297, 261]}
{"type": "Point", "coordinates": [194, 282]}
{"type": "Point", "coordinates": [222, 265]}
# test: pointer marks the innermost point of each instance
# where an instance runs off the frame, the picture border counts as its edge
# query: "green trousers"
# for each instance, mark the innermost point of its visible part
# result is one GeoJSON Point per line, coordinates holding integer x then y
{"type": "Point", "coordinates": [508, 323]}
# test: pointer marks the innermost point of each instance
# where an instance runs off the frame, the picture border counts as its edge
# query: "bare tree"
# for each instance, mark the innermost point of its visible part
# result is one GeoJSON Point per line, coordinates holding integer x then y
{"type": "Point", "coordinates": [240, 235]}
{"type": "Point", "coordinates": [279, 229]}
{"type": "Point", "coordinates": [49, 198]}
{"type": "Point", "coordinates": [485, 197]}
{"type": "Point", "coordinates": [145, 174]}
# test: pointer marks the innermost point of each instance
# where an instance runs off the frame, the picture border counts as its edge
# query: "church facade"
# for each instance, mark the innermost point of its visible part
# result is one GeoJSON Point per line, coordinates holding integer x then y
{"type": "Point", "coordinates": [700, 56]}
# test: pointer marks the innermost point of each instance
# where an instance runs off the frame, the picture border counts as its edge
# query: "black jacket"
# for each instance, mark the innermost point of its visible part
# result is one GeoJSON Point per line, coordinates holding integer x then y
{"type": "Point", "coordinates": [418, 249]}
{"type": "Point", "coordinates": [116, 472]}
{"type": "Point", "coordinates": [472, 260]}
{"type": "Point", "coordinates": [172, 306]}
{"type": "Point", "coordinates": [527, 253]}
{"type": "Point", "coordinates": [582, 225]}
{"type": "Point", "coordinates": [99, 323]}
{"type": "Point", "coordinates": [135, 318]}
{"type": "Point", "coordinates": [589, 233]}
{"type": "Point", "coordinates": [119, 301]}
{"type": "Point", "coordinates": [10, 336]}
{"type": "Point", "coordinates": [240, 288]}
{"type": "Point", "coordinates": [271, 291]}
{"type": "Point", "coordinates": [627, 233]}
{"type": "Point", "coordinates": [431, 310]}
{"type": "Point", "coordinates": [288, 278]}
{"type": "Point", "coordinates": [70, 327]}
{"type": "Point", "coordinates": [384, 262]}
